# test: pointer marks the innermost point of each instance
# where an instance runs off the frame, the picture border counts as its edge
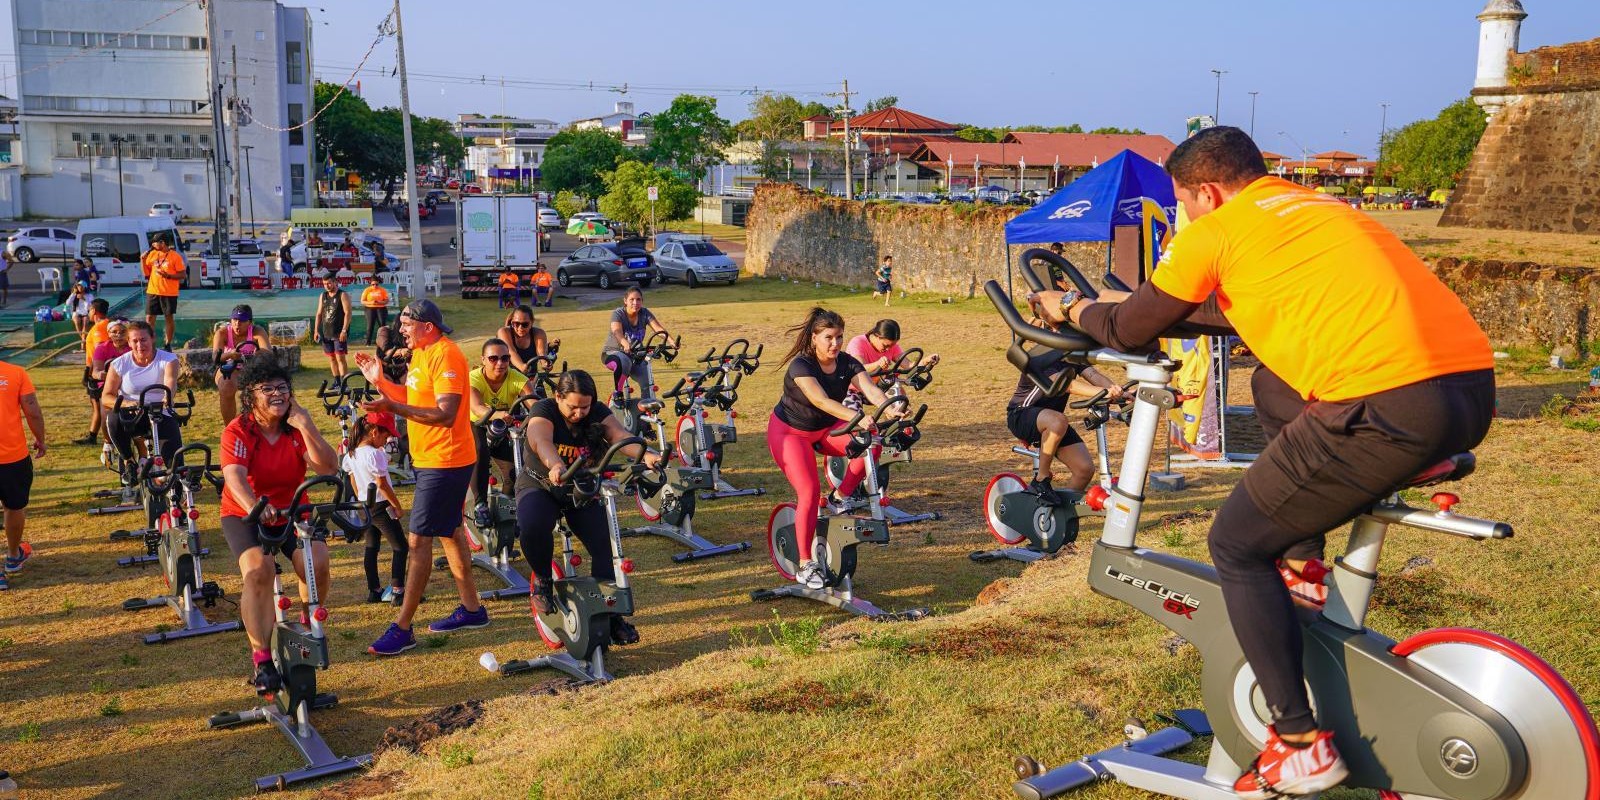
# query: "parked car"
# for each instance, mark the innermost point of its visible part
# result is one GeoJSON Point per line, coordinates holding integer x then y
{"type": "Point", "coordinates": [694, 260]}
{"type": "Point", "coordinates": [167, 210]}
{"type": "Point", "coordinates": [453, 183]}
{"type": "Point", "coordinates": [471, 188]}
{"type": "Point", "coordinates": [32, 244]}
{"type": "Point", "coordinates": [115, 245]}
{"type": "Point", "coordinates": [249, 258]}
{"type": "Point", "coordinates": [607, 264]}
{"type": "Point", "coordinates": [550, 219]}
{"type": "Point", "coordinates": [436, 196]}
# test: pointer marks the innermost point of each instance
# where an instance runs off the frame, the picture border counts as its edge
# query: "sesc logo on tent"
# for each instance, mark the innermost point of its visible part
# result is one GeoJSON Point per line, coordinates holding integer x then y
{"type": "Point", "coordinates": [481, 221]}
{"type": "Point", "coordinates": [1072, 210]}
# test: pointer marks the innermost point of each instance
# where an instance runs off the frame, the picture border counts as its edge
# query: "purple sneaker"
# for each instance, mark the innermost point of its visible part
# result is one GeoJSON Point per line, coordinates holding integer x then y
{"type": "Point", "coordinates": [393, 642]}
{"type": "Point", "coordinates": [461, 618]}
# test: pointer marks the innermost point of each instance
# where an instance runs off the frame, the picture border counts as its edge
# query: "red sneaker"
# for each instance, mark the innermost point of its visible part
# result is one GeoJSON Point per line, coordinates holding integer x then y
{"type": "Point", "coordinates": [1283, 770]}
{"type": "Point", "coordinates": [1309, 584]}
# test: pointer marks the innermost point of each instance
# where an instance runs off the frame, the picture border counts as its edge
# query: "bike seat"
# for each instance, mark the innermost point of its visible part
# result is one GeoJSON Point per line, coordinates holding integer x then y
{"type": "Point", "coordinates": [1453, 468]}
{"type": "Point", "coordinates": [650, 406]}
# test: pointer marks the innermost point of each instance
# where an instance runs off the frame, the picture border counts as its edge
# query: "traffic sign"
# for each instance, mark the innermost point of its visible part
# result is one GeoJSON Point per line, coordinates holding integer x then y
{"type": "Point", "coordinates": [651, 193]}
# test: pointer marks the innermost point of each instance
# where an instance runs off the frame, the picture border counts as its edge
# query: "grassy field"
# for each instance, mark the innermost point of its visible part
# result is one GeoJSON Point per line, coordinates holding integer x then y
{"type": "Point", "coordinates": [1420, 230]}
{"type": "Point", "coordinates": [725, 697]}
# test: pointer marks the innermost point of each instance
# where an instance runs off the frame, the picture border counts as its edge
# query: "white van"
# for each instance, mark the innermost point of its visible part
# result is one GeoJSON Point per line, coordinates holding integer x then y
{"type": "Point", "coordinates": [116, 245]}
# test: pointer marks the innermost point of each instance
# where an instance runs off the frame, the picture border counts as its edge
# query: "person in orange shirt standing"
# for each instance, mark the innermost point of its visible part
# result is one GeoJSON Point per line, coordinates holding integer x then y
{"type": "Point", "coordinates": [542, 289]}
{"type": "Point", "coordinates": [99, 331]}
{"type": "Point", "coordinates": [165, 272]}
{"type": "Point", "coordinates": [375, 299]}
{"type": "Point", "coordinates": [1372, 371]}
{"type": "Point", "coordinates": [17, 401]}
{"type": "Point", "coordinates": [433, 400]}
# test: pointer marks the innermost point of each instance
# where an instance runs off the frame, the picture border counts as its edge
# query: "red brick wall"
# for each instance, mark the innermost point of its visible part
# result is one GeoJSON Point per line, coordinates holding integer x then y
{"type": "Point", "coordinates": [1566, 66]}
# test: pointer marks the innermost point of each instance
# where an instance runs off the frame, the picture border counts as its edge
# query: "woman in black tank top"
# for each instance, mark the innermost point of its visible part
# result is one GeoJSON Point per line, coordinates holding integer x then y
{"type": "Point", "coordinates": [527, 341]}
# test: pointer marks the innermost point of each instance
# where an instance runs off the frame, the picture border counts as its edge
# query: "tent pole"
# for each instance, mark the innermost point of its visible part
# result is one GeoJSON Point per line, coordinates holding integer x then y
{"type": "Point", "coordinates": [1010, 292]}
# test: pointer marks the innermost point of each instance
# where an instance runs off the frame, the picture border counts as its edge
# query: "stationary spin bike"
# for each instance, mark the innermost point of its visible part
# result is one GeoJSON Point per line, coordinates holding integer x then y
{"type": "Point", "coordinates": [670, 508]}
{"type": "Point", "coordinates": [579, 622]}
{"type": "Point", "coordinates": [175, 544]}
{"type": "Point", "coordinates": [342, 400]}
{"type": "Point", "coordinates": [497, 545]}
{"type": "Point", "coordinates": [656, 347]}
{"type": "Point", "coordinates": [716, 386]}
{"type": "Point", "coordinates": [299, 649]}
{"type": "Point", "coordinates": [137, 491]}
{"type": "Point", "coordinates": [839, 534]}
{"type": "Point", "coordinates": [1015, 514]}
{"type": "Point", "coordinates": [1449, 714]}
{"type": "Point", "coordinates": [909, 370]}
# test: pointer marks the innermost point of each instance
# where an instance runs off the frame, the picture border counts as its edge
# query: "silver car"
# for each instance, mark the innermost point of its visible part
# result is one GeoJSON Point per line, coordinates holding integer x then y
{"type": "Point", "coordinates": [694, 261]}
{"type": "Point", "coordinates": [34, 243]}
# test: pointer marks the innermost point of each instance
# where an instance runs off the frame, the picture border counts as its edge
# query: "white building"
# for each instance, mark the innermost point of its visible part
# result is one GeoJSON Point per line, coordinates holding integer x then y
{"type": "Point", "coordinates": [1499, 35]}
{"type": "Point", "coordinates": [109, 81]}
{"type": "Point", "coordinates": [477, 126]}
{"type": "Point", "coordinates": [497, 162]}
{"type": "Point", "coordinates": [621, 121]}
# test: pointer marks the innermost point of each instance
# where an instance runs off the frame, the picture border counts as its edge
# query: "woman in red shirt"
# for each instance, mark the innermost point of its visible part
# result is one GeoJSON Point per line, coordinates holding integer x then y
{"type": "Point", "coordinates": [265, 452]}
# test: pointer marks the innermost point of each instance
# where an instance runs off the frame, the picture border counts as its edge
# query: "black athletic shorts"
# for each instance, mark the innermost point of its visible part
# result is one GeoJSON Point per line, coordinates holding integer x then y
{"type": "Point", "coordinates": [156, 305]}
{"type": "Point", "coordinates": [1333, 460]}
{"type": "Point", "coordinates": [1024, 424]}
{"type": "Point", "coordinates": [16, 483]}
{"type": "Point", "coordinates": [440, 495]}
{"type": "Point", "coordinates": [91, 386]}
{"type": "Point", "coordinates": [242, 536]}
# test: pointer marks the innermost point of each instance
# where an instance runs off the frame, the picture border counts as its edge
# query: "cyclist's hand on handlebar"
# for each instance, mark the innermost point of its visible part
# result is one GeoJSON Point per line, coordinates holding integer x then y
{"type": "Point", "coordinates": [932, 361]}
{"type": "Point", "coordinates": [651, 460]}
{"type": "Point", "coordinates": [555, 475]}
{"type": "Point", "coordinates": [1115, 393]}
{"type": "Point", "coordinates": [1047, 306]}
{"type": "Point", "coordinates": [271, 515]}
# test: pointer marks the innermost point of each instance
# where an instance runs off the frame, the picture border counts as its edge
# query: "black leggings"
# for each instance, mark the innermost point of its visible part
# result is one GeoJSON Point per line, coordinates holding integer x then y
{"type": "Point", "coordinates": [480, 475]}
{"type": "Point", "coordinates": [537, 510]}
{"type": "Point", "coordinates": [376, 318]}
{"type": "Point", "coordinates": [1326, 466]}
{"type": "Point", "coordinates": [122, 437]}
{"type": "Point", "coordinates": [385, 526]}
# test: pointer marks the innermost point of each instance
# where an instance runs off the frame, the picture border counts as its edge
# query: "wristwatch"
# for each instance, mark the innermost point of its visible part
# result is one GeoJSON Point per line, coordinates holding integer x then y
{"type": "Point", "coordinates": [1069, 299]}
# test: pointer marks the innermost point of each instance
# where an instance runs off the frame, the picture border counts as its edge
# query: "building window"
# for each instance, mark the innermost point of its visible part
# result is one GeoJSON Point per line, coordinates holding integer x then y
{"type": "Point", "coordinates": [294, 60]}
{"type": "Point", "coordinates": [297, 115]}
{"type": "Point", "coordinates": [227, 35]}
{"type": "Point", "coordinates": [297, 184]}
{"type": "Point", "coordinates": [183, 137]}
{"type": "Point", "coordinates": [261, 36]}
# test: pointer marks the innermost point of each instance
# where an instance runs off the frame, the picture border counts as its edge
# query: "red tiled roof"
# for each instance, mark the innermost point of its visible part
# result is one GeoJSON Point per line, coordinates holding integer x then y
{"type": "Point", "coordinates": [895, 119]}
{"type": "Point", "coordinates": [1271, 156]}
{"type": "Point", "coordinates": [1336, 155]}
{"type": "Point", "coordinates": [817, 118]}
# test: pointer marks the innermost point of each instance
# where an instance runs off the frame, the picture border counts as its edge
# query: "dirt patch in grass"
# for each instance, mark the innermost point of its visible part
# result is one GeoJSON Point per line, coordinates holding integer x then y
{"type": "Point", "coordinates": [414, 734]}
{"type": "Point", "coordinates": [381, 784]}
{"type": "Point", "coordinates": [1419, 592]}
{"type": "Point", "coordinates": [802, 697]}
{"type": "Point", "coordinates": [980, 643]}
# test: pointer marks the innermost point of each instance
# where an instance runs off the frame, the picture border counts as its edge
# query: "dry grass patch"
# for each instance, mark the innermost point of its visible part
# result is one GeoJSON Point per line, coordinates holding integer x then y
{"type": "Point", "coordinates": [1420, 230]}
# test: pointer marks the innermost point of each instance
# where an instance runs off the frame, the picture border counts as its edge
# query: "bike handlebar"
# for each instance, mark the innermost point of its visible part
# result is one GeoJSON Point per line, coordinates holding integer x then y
{"type": "Point", "coordinates": [1066, 267]}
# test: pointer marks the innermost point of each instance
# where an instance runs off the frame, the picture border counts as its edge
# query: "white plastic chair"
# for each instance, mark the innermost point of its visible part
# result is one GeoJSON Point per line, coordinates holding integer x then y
{"type": "Point", "coordinates": [50, 279]}
{"type": "Point", "coordinates": [402, 283]}
{"type": "Point", "coordinates": [432, 282]}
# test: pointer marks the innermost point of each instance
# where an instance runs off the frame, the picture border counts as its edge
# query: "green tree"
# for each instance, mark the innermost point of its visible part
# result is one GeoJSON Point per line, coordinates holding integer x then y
{"type": "Point", "coordinates": [882, 103]}
{"type": "Point", "coordinates": [973, 133]}
{"type": "Point", "coordinates": [689, 135]}
{"type": "Point", "coordinates": [1124, 131]}
{"type": "Point", "coordinates": [566, 203]}
{"type": "Point", "coordinates": [372, 142]}
{"type": "Point", "coordinates": [576, 160]}
{"type": "Point", "coordinates": [1432, 153]}
{"type": "Point", "coordinates": [774, 163]}
{"type": "Point", "coordinates": [777, 118]}
{"type": "Point", "coordinates": [627, 195]}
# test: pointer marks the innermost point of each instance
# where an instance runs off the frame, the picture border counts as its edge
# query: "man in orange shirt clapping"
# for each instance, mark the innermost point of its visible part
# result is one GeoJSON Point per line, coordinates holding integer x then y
{"type": "Point", "coordinates": [165, 272]}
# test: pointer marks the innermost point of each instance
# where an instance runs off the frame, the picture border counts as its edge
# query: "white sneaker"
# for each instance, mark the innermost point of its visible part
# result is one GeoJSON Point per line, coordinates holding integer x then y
{"type": "Point", "coordinates": [809, 575]}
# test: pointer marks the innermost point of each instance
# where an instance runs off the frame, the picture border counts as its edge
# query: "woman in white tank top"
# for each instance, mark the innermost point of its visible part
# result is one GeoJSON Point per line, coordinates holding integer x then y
{"type": "Point", "coordinates": [130, 374]}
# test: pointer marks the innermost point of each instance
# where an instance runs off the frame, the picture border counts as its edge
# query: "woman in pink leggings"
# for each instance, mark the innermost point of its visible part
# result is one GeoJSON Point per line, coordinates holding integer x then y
{"type": "Point", "coordinates": [818, 378]}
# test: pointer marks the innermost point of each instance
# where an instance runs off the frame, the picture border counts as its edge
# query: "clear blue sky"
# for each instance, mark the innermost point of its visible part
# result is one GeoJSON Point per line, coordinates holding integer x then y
{"type": "Point", "coordinates": [1321, 68]}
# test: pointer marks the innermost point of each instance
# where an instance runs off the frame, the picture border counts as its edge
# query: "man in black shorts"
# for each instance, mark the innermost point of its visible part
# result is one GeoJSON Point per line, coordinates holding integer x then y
{"type": "Point", "coordinates": [17, 401]}
{"type": "Point", "coordinates": [1041, 421]}
{"type": "Point", "coordinates": [165, 273]}
{"type": "Point", "coordinates": [333, 323]}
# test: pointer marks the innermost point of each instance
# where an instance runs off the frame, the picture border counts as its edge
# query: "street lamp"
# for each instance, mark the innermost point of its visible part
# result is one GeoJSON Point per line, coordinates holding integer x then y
{"type": "Point", "coordinates": [82, 148]}
{"type": "Point", "coordinates": [1303, 152]}
{"type": "Point", "coordinates": [1253, 114]}
{"type": "Point", "coordinates": [116, 140]}
{"type": "Point", "coordinates": [249, 187]}
{"type": "Point", "coordinates": [1216, 113]}
{"type": "Point", "coordinates": [1383, 128]}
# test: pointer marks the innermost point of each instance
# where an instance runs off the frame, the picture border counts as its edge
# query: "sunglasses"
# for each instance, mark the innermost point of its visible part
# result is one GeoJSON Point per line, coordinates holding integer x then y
{"type": "Point", "coordinates": [497, 359]}
{"type": "Point", "coordinates": [521, 324]}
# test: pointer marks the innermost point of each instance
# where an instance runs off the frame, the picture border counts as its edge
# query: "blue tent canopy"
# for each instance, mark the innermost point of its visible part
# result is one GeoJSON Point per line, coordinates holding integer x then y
{"type": "Point", "coordinates": [1088, 209]}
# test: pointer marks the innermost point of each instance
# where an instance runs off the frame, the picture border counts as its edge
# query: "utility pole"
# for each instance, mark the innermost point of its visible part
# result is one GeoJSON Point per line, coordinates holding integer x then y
{"type": "Point", "coordinates": [1216, 112]}
{"type": "Point", "coordinates": [417, 272]}
{"type": "Point", "coordinates": [219, 211]}
{"type": "Point", "coordinates": [249, 186]}
{"type": "Point", "coordinates": [1383, 128]}
{"type": "Point", "coordinates": [845, 93]}
{"type": "Point", "coordinates": [1253, 114]}
{"type": "Point", "coordinates": [238, 129]}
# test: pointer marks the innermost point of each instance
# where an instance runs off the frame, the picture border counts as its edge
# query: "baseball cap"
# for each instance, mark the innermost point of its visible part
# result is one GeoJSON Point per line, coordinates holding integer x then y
{"type": "Point", "coordinates": [384, 420]}
{"type": "Point", "coordinates": [242, 313]}
{"type": "Point", "coordinates": [425, 311]}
